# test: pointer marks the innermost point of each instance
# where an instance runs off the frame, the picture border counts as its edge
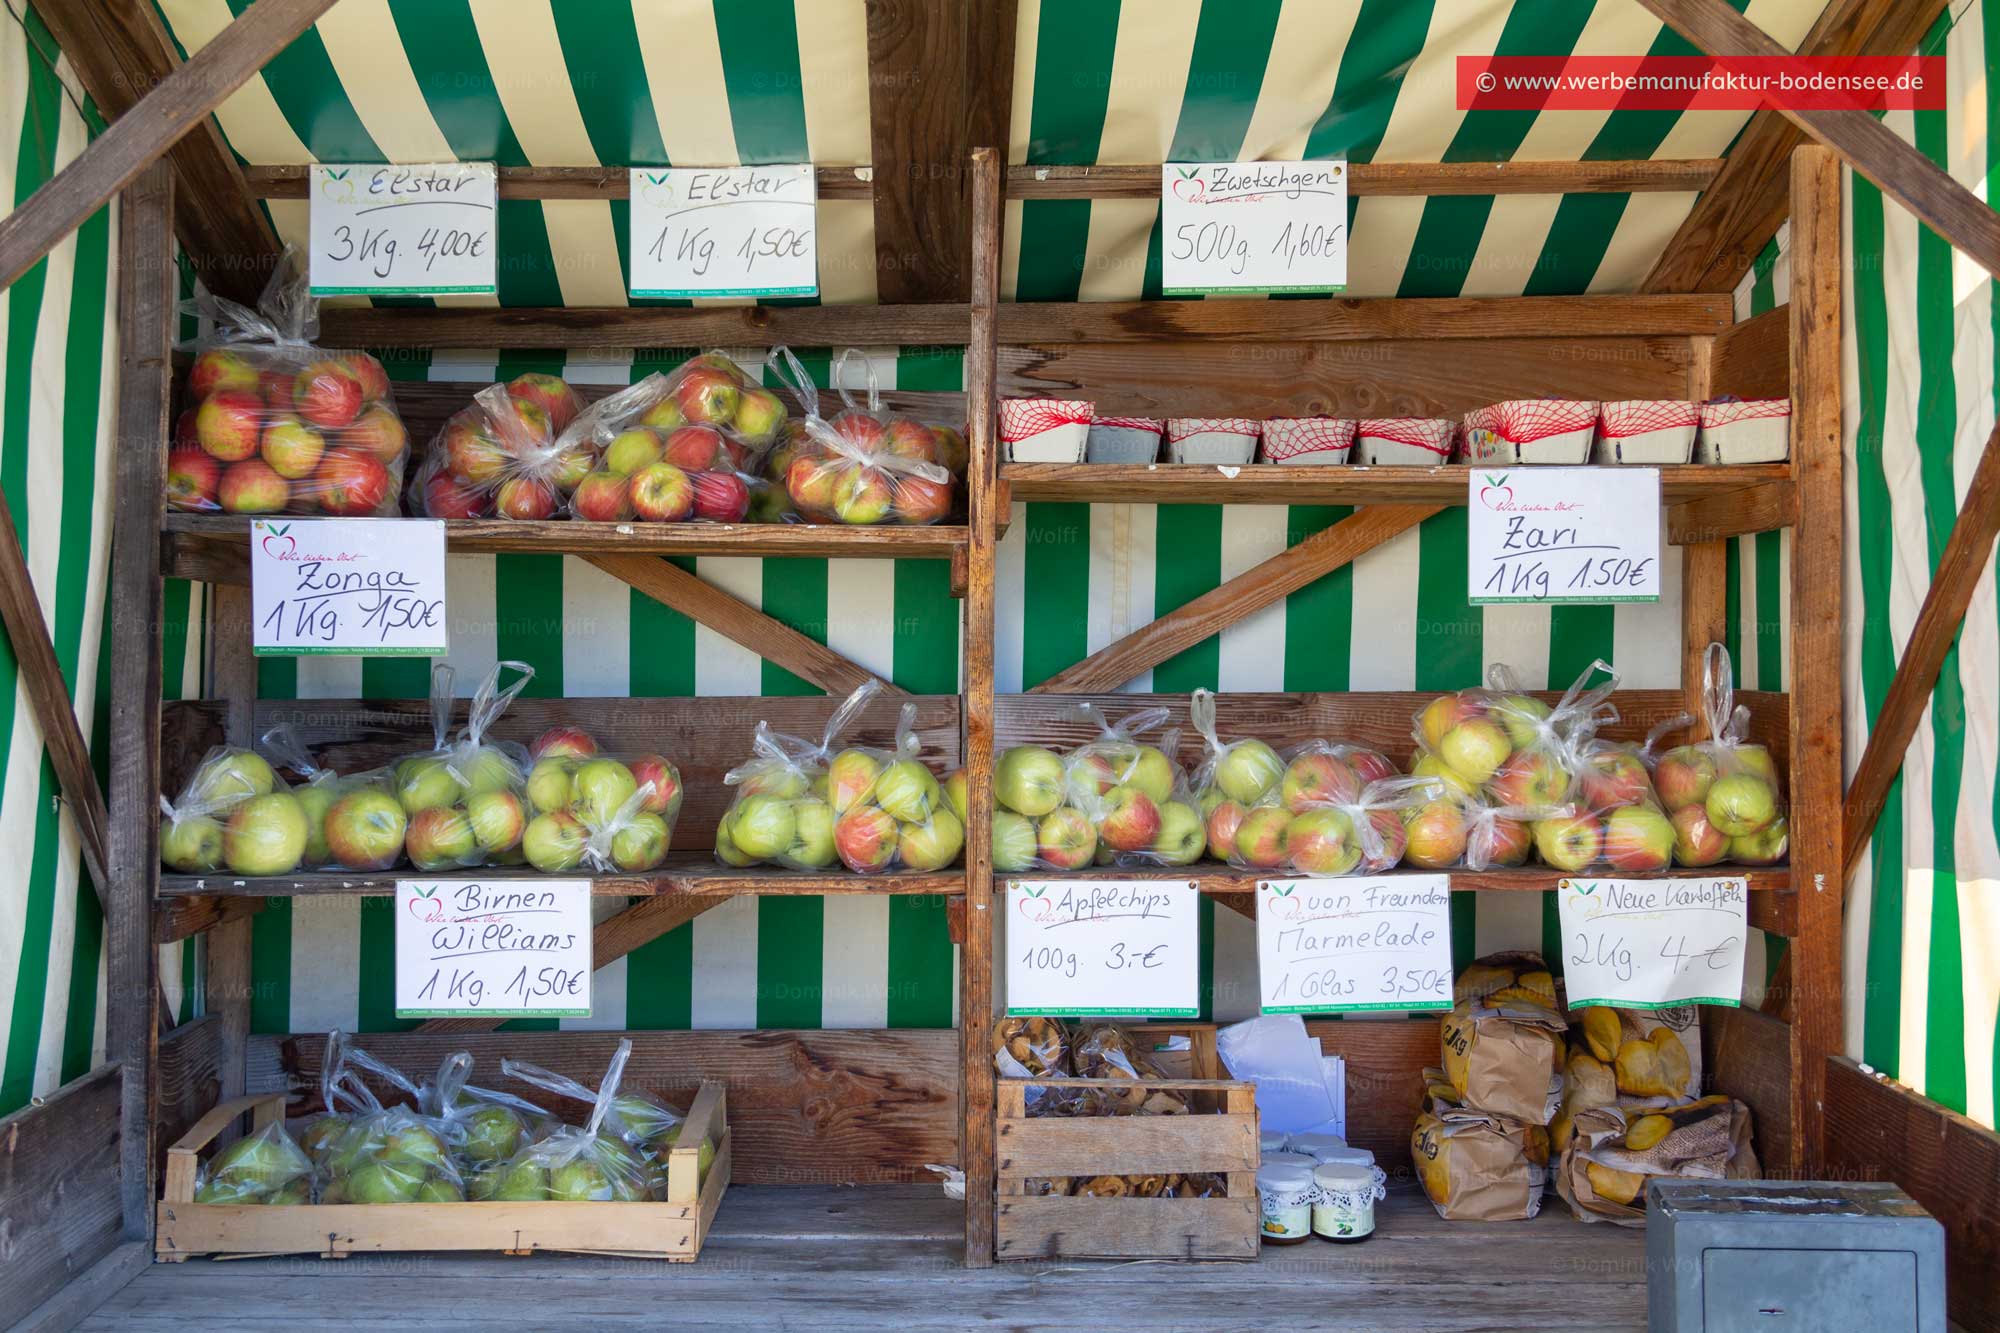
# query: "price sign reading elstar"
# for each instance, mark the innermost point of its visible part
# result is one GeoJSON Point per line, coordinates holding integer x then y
{"type": "Point", "coordinates": [1334, 945]}
{"type": "Point", "coordinates": [1650, 943]}
{"type": "Point", "coordinates": [1244, 227]}
{"type": "Point", "coordinates": [368, 586]}
{"type": "Point", "coordinates": [498, 948]}
{"type": "Point", "coordinates": [1100, 946]}
{"type": "Point", "coordinates": [383, 230]}
{"type": "Point", "coordinates": [1563, 534]}
{"type": "Point", "coordinates": [725, 231]}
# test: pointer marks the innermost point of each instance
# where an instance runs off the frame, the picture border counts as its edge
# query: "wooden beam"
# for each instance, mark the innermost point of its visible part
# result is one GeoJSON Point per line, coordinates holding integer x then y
{"type": "Point", "coordinates": [975, 955]}
{"type": "Point", "coordinates": [290, 182]}
{"type": "Point", "coordinates": [611, 939]}
{"type": "Point", "coordinates": [772, 640]}
{"type": "Point", "coordinates": [49, 697]}
{"type": "Point", "coordinates": [1966, 553]}
{"type": "Point", "coordinates": [1752, 359]}
{"type": "Point", "coordinates": [59, 1202]}
{"type": "Point", "coordinates": [232, 677]}
{"type": "Point", "coordinates": [1765, 507]}
{"type": "Point", "coordinates": [1644, 176]}
{"type": "Point", "coordinates": [180, 918]}
{"type": "Point", "coordinates": [146, 281]}
{"type": "Point", "coordinates": [1704, 618]}
{"type": "Point", "coordinates": [1741, 211]}
{"type": "Point", "coordinates": [120, 49]}
{"type": "Point", "coordinates": [158, 121]}
{"type": "Point", "coordinates": [1862, 141]}
{"type": "Point", "coordinates": [1247, 593]}
{"type": "Point", "coordinates": [1816, 610]}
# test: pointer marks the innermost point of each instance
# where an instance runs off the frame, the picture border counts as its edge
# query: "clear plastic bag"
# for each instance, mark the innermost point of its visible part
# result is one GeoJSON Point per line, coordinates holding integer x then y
{"type": "Point", "coordinates": [1112, 800]}
{"type": "Point", "coordinates": [890, 811]}
{"type": "Point", "coordinates": [265, 1166]}
{"type": "Point", "coordinates": [604, 1160]}
{"type": "Point", "coordinates": [863, 467]}
{"type": "Point", "coordinates": [1507, 744]}
{"type": "Point", "coordinates": [466, 797]}
{"type": "Point", "coordinates": [389, 1154]}
{"type": "Point", "coordinates": [353, 821]}
{"type": "Point", "coordinates": [275, 424]}
{"type": "Point", "coordinates": [625, 806]}
{"type": "Point", "coordinates": [1723, 794]}
{"type": "Point", "coordinates": [235, 813]}
{"type": "Point", "coordinates": [1615, 791]}
{"type": "Point", "coordinates": [483, 1128]}
{"type": "Point", "coordinates": [500, 456]}
{"type": "Point", "coordinates": [1450, 830]}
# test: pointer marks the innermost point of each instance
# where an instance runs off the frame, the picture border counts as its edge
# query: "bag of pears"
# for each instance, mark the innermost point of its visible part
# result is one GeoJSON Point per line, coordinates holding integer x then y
{"type": "Point", "coordinates": [595, 1161]}
{"type": "Point", "coordinates": [265, 1166]}
{"type": "Point", "coordinates": [482, 1127]}
{"type": "Point", "coordinates": [393, 1154]}
{"type": "Point", "coordinates": [466, 797]}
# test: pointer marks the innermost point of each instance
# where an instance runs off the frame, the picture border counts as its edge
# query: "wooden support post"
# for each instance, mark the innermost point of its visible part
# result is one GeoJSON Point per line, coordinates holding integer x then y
{"type": "Point", "coordinates": [975, 1000]}
{"type": "Point", "coordinates": [1816, 640]}
{"type": "Point", "coordinates": [1704, 616]}
{"type": "Point", "coordinates": [137, 139]}
{"type": "Point", "coordinates": [232, 677]}
{"type": "Point", "coordinates": [146, 282]}
{"type": "Point", "coordinates": [1247, 593]}
{"type": "Point", "coordinates": [772, 640]}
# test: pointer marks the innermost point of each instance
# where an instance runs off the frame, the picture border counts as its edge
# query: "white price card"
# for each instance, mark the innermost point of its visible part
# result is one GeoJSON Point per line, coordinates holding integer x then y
{"type": "Point", "coordinates": [1563, 534]}
{"type": "Point", "coordinates": [416, 230]}
{"type": "Point", "coordinates": [1242, 227]}
{"type": "Point", "coordinates": [1104, 946]}
{"type": "Point", "coordinates": [1337, 945]}
{"type": "Point", "coordinates": [1650, 943]}
{"type": "Point", "coordinates": [374, 587]}
{"type": "Point", "coordinates": [725, 231]}
{"type": "Point", "coordinates": [499, 948]}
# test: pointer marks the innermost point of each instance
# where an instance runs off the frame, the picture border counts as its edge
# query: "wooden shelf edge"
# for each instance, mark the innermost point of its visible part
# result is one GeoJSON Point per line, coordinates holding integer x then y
{"type": "Point", "coordinates": [1271, 483]}
{"type": "Point", "coordinates": [1214, 878]}
{"type": "Point", "coordinates": [692, 880]}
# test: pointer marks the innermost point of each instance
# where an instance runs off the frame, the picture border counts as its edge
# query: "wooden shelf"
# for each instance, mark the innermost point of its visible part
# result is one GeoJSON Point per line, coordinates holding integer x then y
{"type": "Point", "coordinates": [1273, 484]}
{"type": "Point", "coordinates": [692, 873]}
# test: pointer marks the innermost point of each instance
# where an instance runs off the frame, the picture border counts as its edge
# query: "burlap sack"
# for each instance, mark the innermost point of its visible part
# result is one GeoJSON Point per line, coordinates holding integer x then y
{"type": "Point", "coordinates": [1505, 1059]}
{"type": "Point", "coordinates": [1480, 1168]}
{"type": "Point", "coordinates": [1603, 1175]}
{"type": "Point", "coordinates": [1655, 1053]}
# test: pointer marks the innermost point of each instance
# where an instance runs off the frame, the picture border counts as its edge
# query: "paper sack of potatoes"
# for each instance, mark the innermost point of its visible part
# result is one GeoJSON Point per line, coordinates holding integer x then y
{"type": "Point", "coordinates": [1614, 1151]}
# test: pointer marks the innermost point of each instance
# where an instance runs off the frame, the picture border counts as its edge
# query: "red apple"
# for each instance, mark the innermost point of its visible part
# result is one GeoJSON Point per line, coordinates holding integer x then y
{"type": "Point", "coordinates": [1131, 820]}
{"type": "Point", "coordinates": [693, 448]}
{"type": "Point", "coordinates": [471, 453]}
{"type": "Point", "coordinates": [1223, 822]}
{"type": "Point", "coordinates": [249, 486]}
{"type": "Point", "coordinates": [1389, 844]}
{"type": "Point", "coordinates": [866, 838]}
{"type": "Point", "coordinates": [919, 500]}
{"type": "Point", "coordinates": [563, 743]}
{"type": "Point", "coordinates": [557, 400]}
{"type": "Point", "coordinates": [1498, 842]}
{"type": "Point", "coordinates": [1064, 838]}
{"type": "Point", "coordinates": [1260, 839]}
{"type": "Point", "coordinates": [1638, 838]}
{"type": "Point", "coordinates": [720, 497]}
{"type": "Point", "coordinates": [275, 384]}
{"type": "Point", "coordinates": [811, 483]}
{"type": "Point", "coordinates": [910, 439]}
{"type": "Point", "coordinates": [527, 498]}
{"type": "Point", "coordinates": [1443, 713]}
{"type": "Point", "coordinates": [665, 779]}
{"type": "Point", "coordinates": [662, 493]}
{"type": "Point", "coordinates": [1531, 779]}
{"type": "Point", "coordinates": [1318, 842]}
{"type": "Point", "coordinates": [707, 395]}
{"type": "Point", "coordinates": [444, 497]}
{"type": "Point", "coordinates": [229, 424]}
{"type": "Point", "coordinates": [1683, 776]}
{"type": "Point", "coordinates": [1613, 777]}
{"type": "Point", "coordinates": [193, 478]}
{"type": "Point", "coordinates": [1369, 765]}
{"type": "Point", "coordinates": [327, 394]}
{"type": "Point", "coordinates": [349, 483]}
{"type": "Point", "coordinates": [1436, 834]}
{"type": "Point", "coordinates": [220, 369]}
{"type": "Point", "coordinates": [719, 363]}
{"type": "Point", "coordinates": [1696, 841]}
{"type": "Point", "coordinates": [1317, 778]}
{"type": "Point", "coordinates": [291, 447]}
{"type": "Point", "coordinates": [379, 431]}
{"type": "Point", "coordinates": [369, 374]}
{"type": "Point", "coordinates": [185, 436]}
{"type": "Point", "coordinates": [603, 497]}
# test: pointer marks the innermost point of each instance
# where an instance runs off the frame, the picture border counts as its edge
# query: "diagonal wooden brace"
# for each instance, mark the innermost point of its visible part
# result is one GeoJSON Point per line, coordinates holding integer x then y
{"type": "Point", "coordinates": [1247, 593]}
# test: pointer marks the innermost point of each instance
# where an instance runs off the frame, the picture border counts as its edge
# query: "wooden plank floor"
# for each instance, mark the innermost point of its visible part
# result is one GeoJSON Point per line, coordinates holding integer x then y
{"type": "Point", "coordinates": [888, 1257]}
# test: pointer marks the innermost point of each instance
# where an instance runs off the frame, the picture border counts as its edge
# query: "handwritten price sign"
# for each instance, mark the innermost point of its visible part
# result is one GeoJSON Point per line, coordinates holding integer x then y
{"type": "Point", "coordinates": [373, 586]}
{"type": "Point", "coordinates": [1563, 534]}
{"type": "Point", "coordinates": [385, 230]}
{"type": "Point", "coordinates": [725, 231]}
{"type": "Point", "coordinates": [1099, 946]}
{"type": "Point", "coordinates": [1334, 945]}
{"type": "Point", "coordinates": [1650, 943]}
{"type": "Point", "coordinates": [1241, 227]}
{"type": "Point", "coordinates": [498, 948]}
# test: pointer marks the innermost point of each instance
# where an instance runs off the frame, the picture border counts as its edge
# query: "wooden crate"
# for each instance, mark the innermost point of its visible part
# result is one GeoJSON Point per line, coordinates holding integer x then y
{"type": "Point", "coordinates": [674, 1230]}
{"type": "Point", "coordinates": [1219, 1137]}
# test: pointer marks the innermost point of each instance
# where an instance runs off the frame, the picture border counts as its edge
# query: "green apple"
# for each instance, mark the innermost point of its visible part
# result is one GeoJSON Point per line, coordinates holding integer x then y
{"type": "Point", "coordinates": [315, 799]}
{"type": "Point", "coordinates": [602, 787]}
{"type": "Point", "coordinates": [1475, 749]}
{"type": "Point", "coordinates": [726, 850]}
{"type": "Point", "coordinates": [1741, 803]}
{"type": "Point", "coordinates": [641, 844]}
{"type": "Point", "coordinates": [1029, 780]}
{"type": "Point", "coordinates": [441, 838]}
{"type": "Point", "coordinates": [1430, 765]}
{"type": "Point", "coordinates": [439, 1189]}
{"type": "Point", "coordinates": [1764, 847]}
{"type": "Point", "coordinates": [291, 1192]}
{"type": "Point", "coordinates": [1152, 773]}
{"type": "Point", "coordinates": [488, 768]}
{"type": "Point", "coordinates": [492, 1133]}
{"type": "Point", "coordinates": [956, 795]}
{"type": "Point", "coordinates": [1247, 770]}
{"type": "Point", "coordinates": [780, 780]}
{"type": "Point", "coordinates": [931, 845]}
{"type": "Point", "coordinates": [414, 1143]}
{"type": "Point", "coordinates": [365, 829]}
{"type": "Point", "coordinates": [233, 775]}
{"type": "Point", "coordinates": [549, 786]}
{"type": "Point", "coordinates": [427, 782]}
{"type": "Point", "coordinates": [1181, 838]}
{"type": "Point", "coordinates": [579, 1181]}
{"type": "Point", "coordinates": [1013, 841]}
{"type": "Point", "coordinates": [384, 1182]}
{"type": "Point", "coordinates": [265, 835]}
{"type": "Point", "coordinates": [520, 1182]}
{"type": "Point", "coordinates": [812, 835]}
{"type": "Point", "coordinates": [908, 791]}
{"type": "Point", "coordinates": [763, 826]}
{"type": "Point", "coordinates": [192, 846]}
{"type": "Point", "coordinates": [555, 842]}
{"type": "Point", "coordinates": [1521, 715]}
{"type": "Point", "coordinates": [497, 819]}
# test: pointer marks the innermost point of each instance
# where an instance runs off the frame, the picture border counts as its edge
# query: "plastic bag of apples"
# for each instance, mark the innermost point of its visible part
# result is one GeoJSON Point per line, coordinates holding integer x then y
{"type": "Point", "coordinates": [684, 445]}
{"type": "Point", "coordinates": [1115, 799]}
{"type": "Point", "coordinates": [274, 424]}
{"type": "Point", "coordinates": [1723, 793]}
{"type": "Point", "coordinates": [866, 466]}
{"type": "Point", "coordinates": [612, 813]}
{"type": "Point", "coordinates": [236, 813]}
{"type": "Point", "coordinates": [504, 454]}
{"type": "Point", "coordinates": [353, 820]}
{"type": "Point", "coordinates": [465, 796]}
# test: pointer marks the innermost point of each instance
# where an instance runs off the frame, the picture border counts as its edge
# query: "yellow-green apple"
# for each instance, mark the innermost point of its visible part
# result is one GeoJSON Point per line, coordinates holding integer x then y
{"type": "Point", "coordinates": [862, 496]}
{"type": "Point", "coordinates": [660, 782]}
{"type": "Point", "coordinates": [265, 835]}
{"type": "Point", "coordinates": [1612, 777]}
{"type": "Point", "coordinates": [1317, 778]}
{"type": "Point", "coordinates": [1181, 839]}
{"type": "Point", "coordinates": [1131, 820]}
{"type": "Point", "coordinates": [497, 819]}
{"type": "Point", "coordinates": [951, 449]}
{"type": "Point", "coordinates": [1151, 772]}
{"type": "Point", "coordinates": [1475, 749]}
{"type": "Point", "coordinates": [315, 799]}
{"type": "Point", "coordinates": [812, 835]}
{"type": "Point", "coordinates": [369, 374]}
{"type": "Point", "coordinates": [563, 743]}
{"type": "Point", "coordinates": [933, 844]}
{"type": "Point", "coordinates": [349, 483]}
{"type": "Point", "coordinates": [811, 483]}
{"type": "Point", "coordinates": [1013, 841]}
{"type": "Point", "coordinates": [1535, 780]}
{"type": "Point", "coordinates": [193, 845]}
{"type": "Point", "coordinates": [219, 369]}
{"type": "Point", "coordinates": [1320, 842]}
{"type": "Point", "coordinates": [780, 779]}
{"type": "Point", "coordinates": [866, 838]}
{"type": "Point", "coordinates": [291, 447]}
{"type": "Point", "coordinates": [379, 431]}
{"type": "Point", "coordinates": [763, 826]}
{"type": "Point", "coordinates": [1221, 827]}
{"type": "Point", "coordinates": [707, 395]}
{"type": "Point", "coordinates": [194, 476]}
{"type": "Point", "coordinates": [850, 775]}
{"type": "Point", "coordinates": [1524, 717]}
{"type": "Point", "coordinates": [919, 500]}
{"type": "Point", "coordinates": [631, 450]}
{"type": "Point", "coordinates": [726, 850]}
{"type": "Point", "coordinates": [955, 794]}
{"type": "Point", "coordinates": [602, 786]}
{"type": "Point", "coordinates": [251, 487]}
{"type": "Point", "coordinates": [427, 781]}
{"type": "Point", "coordinates": [908, 790]}
{"type": "Point", "coordinates": [1740, 803]}
{"type": "Point", "coordinates": [663, 416]}
{"type": "Point", "coordinates": [364, 830]}
{"type": "Point", "coordinates": [693, 448]}
{"type": "Point", "coordinates": [1755, 760]}
{"type": "Point", "coordinates": [446, 497]}
{"type": "Point", "coordinates": [555, 842]}
{"type": "Point", "coordinates": [641, 844]}
{"type": "Point", "coordinates": [1638, 838]}
{"type": "Point", "coordinates": [1765, 847]}
{"type": "Point", "coordinates": [1568, 842]}
{"type": "Point", "coordinates": [528, 499]}
{"type": "Point", "coordinates": [662, 493]}
{"type": "Point", "coordinates": [549, 786]}
{"type": "Point", "coordinates": [230, 424]}
{"type": "Point", "coordinates": [327, 394]}
{"type": "Point", "coordinates": [1385, 849]}
{"type": "Point", "coordinates": [440, 837]}
{"type": "Point", "coordinates": [1065, 839]}
{"type": "Point", "coordinates": [721, 497]}
{"type": "Point", "coordinates": [1029, 780]}
{"type": "Point", "coordinates": [234, 774]}
{"type": "Point", "coordinates": [1247, 770]}
{"type": "Point", "coordinates": [472, 454]}
{"type": "Point", "coordinates": [1696, 841]}
{"type": "Point", "coordinates": [550, 393]}
{"type": "Point", "coordinates": [486, 768]}
{"type": "Point", "coordinates": [1683, 777]}
{"type": "Point", "coordinates": [1096, 769]}
{"type": "Point", "coordinates": [1443, 713]}
{"type": "Point", "coordinates": [1430, 765]}
{"type": "Point", "coordinates": [759, 413]}
{"type": "Point", "coordinates": [1435, 834]}
{"type": "Point", "coordinates": [1260, 838]}
{"type": "Point", "coordinates": [1498, 841]}
{"type": "Point", "coordinates": [603, 497]}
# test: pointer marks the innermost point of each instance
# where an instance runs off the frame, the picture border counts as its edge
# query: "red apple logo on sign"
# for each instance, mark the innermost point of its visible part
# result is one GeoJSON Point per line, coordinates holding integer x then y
{"type": "Point", "coordinates": [1035, 907]}
{"type": "Point", "coordinates": [1190, 188]}
{"type": "Point", "coordinates": [1282, 905]}
{"type": "Point", "coordinates": [427, 906]}
{"type": "Point", "coordinates": [275, 535]}
{"type": "Point", "coordinates": [1496, 491]}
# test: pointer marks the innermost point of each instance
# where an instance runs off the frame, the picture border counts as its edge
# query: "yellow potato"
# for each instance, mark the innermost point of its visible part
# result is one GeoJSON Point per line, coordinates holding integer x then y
{"type": "Point", "coordinates": [1640, 1070]}
{"type": "Point", "coordinates": [1561, 1129]}
{"type": "Point", "coordinates": [1675, 1070]}
{"type": "Point", "coordinates": [1617, 1186]}
{"type": "Point", "coordinates": [1535, 1144]}
{"type": "Point", "coordinates": [1591, 1082]}
{"type": "Point", "coordinates": [1479, 981]}
{"type": "Point", "coordinates": [1603, 1030]}
{"type": "Point", "coordinates": [1647, 1131]}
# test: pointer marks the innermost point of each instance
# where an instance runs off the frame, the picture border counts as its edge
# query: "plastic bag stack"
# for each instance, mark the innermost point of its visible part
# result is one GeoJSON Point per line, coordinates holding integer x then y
{"type": "Point", "coordinates": [465, 797]}
{"type": "Point", "coordinates": [504, 454]}
{"type": "Point", "coordinates": [865, 466]}
{"type": "Point", "coordinates": [234, 813]}
{"type": "Point", "coordinates": [1723, 793]}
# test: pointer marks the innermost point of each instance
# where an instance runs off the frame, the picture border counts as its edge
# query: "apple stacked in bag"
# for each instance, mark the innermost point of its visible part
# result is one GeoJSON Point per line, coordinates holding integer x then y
{"type": "Point", "coordinates": [617, 813]}
{"type": "Point", "coordinates": [236, 814]}
{"type": "Point", "coordinates": [1305, 813]}
{"type": "Point", "coordinates": [848, 485]}
{"type": "Point", "coordinates": [300, 431]}
{"type": "Point", "coordinates": [463, 805]}
{"type": "Point", "coordinates": [499, 457]}
{"type": "Point", "coordinates": [1724, 801]}
{"type": "Point", "coordinates": [1108, 801]}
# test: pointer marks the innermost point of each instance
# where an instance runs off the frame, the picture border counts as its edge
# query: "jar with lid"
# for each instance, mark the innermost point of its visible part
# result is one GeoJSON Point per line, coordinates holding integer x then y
{"type": "Point", "coordinates": [1345, 1188]}
{"type": "Point", "coordinates": [1285, 1159]}
{"type": "Point", "coordinates": [1315, 1146]}
{"type": "Point", "coordinates": [1270, 1141]}
{"type": "Point", "coordinates": [1285, 1196]}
